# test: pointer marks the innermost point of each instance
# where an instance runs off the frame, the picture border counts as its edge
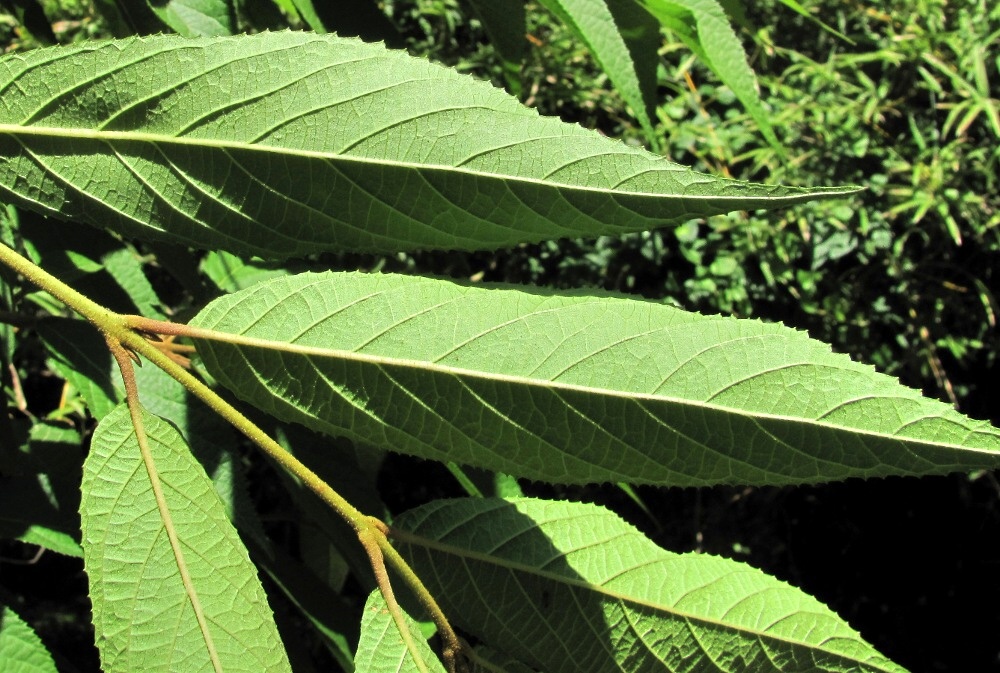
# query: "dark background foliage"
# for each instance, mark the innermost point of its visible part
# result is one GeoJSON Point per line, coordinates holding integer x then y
{"type": "Point", "coordinates": [902, 275]}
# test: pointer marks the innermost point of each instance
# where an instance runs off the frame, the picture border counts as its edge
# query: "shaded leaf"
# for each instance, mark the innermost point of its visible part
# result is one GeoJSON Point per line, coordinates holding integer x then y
{"type": "Point", "coordinates": [350, 18]}
{"type": "Point", "coordinates": [571, 587]}
{"type": "Point", "coordinates": [382, 649]}
{"type": "Point", "coordinates": [39, 489]}
{"type": "Point", "coordinates": [21, 650]}
{"type": "Point", "coordinates": [142, 614]}
{"type": "Point", "coordinates": [234, 143]}
{"type": "Point", "coordinates": [505, 23]}
{"type": "Point", "coordinates": [574, 388]}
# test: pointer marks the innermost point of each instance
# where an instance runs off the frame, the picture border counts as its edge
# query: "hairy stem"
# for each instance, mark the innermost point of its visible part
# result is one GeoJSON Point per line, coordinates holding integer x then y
{"type": "Point", "coordinates": [124, 335]}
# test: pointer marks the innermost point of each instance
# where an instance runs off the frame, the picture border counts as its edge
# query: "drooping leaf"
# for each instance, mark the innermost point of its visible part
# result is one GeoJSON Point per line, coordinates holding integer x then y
{"type": "Point", "coordinates": [623, 38]}
{"type": "Point", "coordinates": [570, 587]}
{"type": "Point", "coordinates": [196, 18]}
{"type": "Point", "coordinates": [143, 614]}
{"type": "Point", "coordinates": [703, 26]}
{"type": "Point", "coordinates": [574, 388]}
{"type": "Point", "coordinates": [21, 650]}
{"type": "Point", "coordinates": [283, 144]}
{"type": "Point", "coordinates": [382, 649]}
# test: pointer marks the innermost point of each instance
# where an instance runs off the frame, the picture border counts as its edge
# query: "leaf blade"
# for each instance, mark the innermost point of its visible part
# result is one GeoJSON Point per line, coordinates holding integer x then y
{"type": "Point", "coordinates": [395, 153]}
{"type": "Point", "coordinates": [573, 388]}
{"type": "Point", "coordinates": [571, 587]}
{"type": "Point", "coordinates": [136, 589]}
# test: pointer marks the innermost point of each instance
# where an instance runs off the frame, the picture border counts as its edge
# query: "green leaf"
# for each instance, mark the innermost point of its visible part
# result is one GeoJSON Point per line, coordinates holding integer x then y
{"type": "Point", "coordinates": [39, 489]}
{"type": "Point", "coordinates": [703, 26]}
{"type": "Point", "coordinates": [381, 648]}
{"type": "Point", "coordinates": [350, 18]}
{"type": "Point", "coordinates": [143, 611]}
{"type": "Point", "coordinates": [571, 587]}
{"type": "Point", "coordinates": [283, 144]}
{"type": "Point", "coordinates": [623, 38]}
{"type": "Point", "coordinates": [573, 388]}
{"type": "Point", "coordinates": [21, 650]}
{"type": "Point", "coordinates": [196, 18]}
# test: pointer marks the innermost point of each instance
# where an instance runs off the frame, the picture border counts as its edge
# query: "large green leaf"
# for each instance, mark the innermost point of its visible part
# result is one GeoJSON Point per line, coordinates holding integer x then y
{"type": "Point", "coordinates": [570, 587]}
{"type": "Point", "coordinates": [144, 613]}
{"type": "Point", "coordinates": [21, 651]}
{"type": "Point", "coordinates": [574, 388]}
{"type": "Point", "coordinates": [282, 144]}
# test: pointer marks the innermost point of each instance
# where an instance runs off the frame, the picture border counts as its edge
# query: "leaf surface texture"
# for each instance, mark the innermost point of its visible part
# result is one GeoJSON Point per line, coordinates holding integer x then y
{"type": "Point", "coordinates": [283, 144]}
{"type": "Point", "coordinates": [573, 388]}
{"type": "Point", "coordinates": [570, 587]}
{"type": "Point", "coordinates": [142, 614]}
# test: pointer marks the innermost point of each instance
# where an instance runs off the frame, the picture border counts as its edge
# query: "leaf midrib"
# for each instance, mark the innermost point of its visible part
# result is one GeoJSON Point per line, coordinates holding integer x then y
{"type": "Point", "coordinates": [160, 139]}
{"type": "Point", "coordinates": [460, 372]}
{"type": "Point", "coordinates": [514, 566]}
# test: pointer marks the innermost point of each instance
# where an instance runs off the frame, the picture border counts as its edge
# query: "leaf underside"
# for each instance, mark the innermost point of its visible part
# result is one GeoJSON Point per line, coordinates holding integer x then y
{"type": "Point", "coordinates": [574, 388]}
{"type": "Point", "coordinates": [381, 648]}
{"type": "Point", "coordinates": [570, 587]}
{"type": "Point", "coordinates": [283, 144]}
{"type": "Point", "coordinates": [142, 614]}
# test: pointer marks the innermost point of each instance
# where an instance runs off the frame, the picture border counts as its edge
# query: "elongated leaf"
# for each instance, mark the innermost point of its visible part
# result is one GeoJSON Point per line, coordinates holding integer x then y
{"type": "Point", "coordinates": [623, 38]}
{"type": "Point", "coordinates": [382, 649]}
{"type": "Point", "coordinates": [571, 587]}
{"type": "Point", "coordinates": [21, 651]}
{"type": "Point", "coordinates": [704, 28]}
{"type": "Point", "coordinates": [142, 612]}
{"type": "Point", "coordinates": [282, 144]}
{"type": "Point", "coordinates": [574, 388]}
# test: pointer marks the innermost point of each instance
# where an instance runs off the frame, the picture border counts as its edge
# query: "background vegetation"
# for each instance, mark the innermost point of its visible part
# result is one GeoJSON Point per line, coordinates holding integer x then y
{"type": "Point", "coordinates": [905, 100]}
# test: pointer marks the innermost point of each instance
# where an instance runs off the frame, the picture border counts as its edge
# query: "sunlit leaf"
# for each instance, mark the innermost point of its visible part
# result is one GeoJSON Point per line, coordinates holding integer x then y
{"type": "Point", "coordinates": [574, 388]}
{"type": "Point", "coordinates": [283, 144]}
{"type": "Point", "coordinates": [382, 649]}
{"type": "Point", "coordinates": [570, 587]}
{"type": "Point", "coordinates": [21, 651]}
{"type": "Point", "coordinates": [143, 614]}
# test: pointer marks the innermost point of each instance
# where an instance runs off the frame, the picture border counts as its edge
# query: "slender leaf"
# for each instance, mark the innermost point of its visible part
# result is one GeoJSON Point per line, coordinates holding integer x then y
{"type": "Point", "coordinates": [571, 587]}
{"type": "Point", "coordinates": [142, 613]}
{"type": "Point", "coordinates": [21, 650]}
{"type": "Point", "coordinates": [574, 388]}
{"type": "Point", "coordinates": [623, 38]}
{"type": "Point", "coordinates": [382, 649]}
{"type": "Point", "coordinates": [702, 25]}
{"type": "Point", "coordinates": [282, 144]}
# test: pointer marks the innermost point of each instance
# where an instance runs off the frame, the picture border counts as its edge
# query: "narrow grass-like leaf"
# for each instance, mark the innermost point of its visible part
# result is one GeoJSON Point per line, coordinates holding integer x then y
{"type": "Point", "coordinates": [705, 29]}
{"type": "Point", "coordinates": [574, 388]}
{"type": "Point", "coordinates": [283, 144]}
{"type": "Point", "coordinates": [21, 650]}
{"type": "Point", "coordinates": [143, 614]}
{"type": "Point", "coordinates": [381, 648]}
{"type": "Point", "coordinates": [570, 587]}
{"type": "Point", "coordinates": [625, 52]}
